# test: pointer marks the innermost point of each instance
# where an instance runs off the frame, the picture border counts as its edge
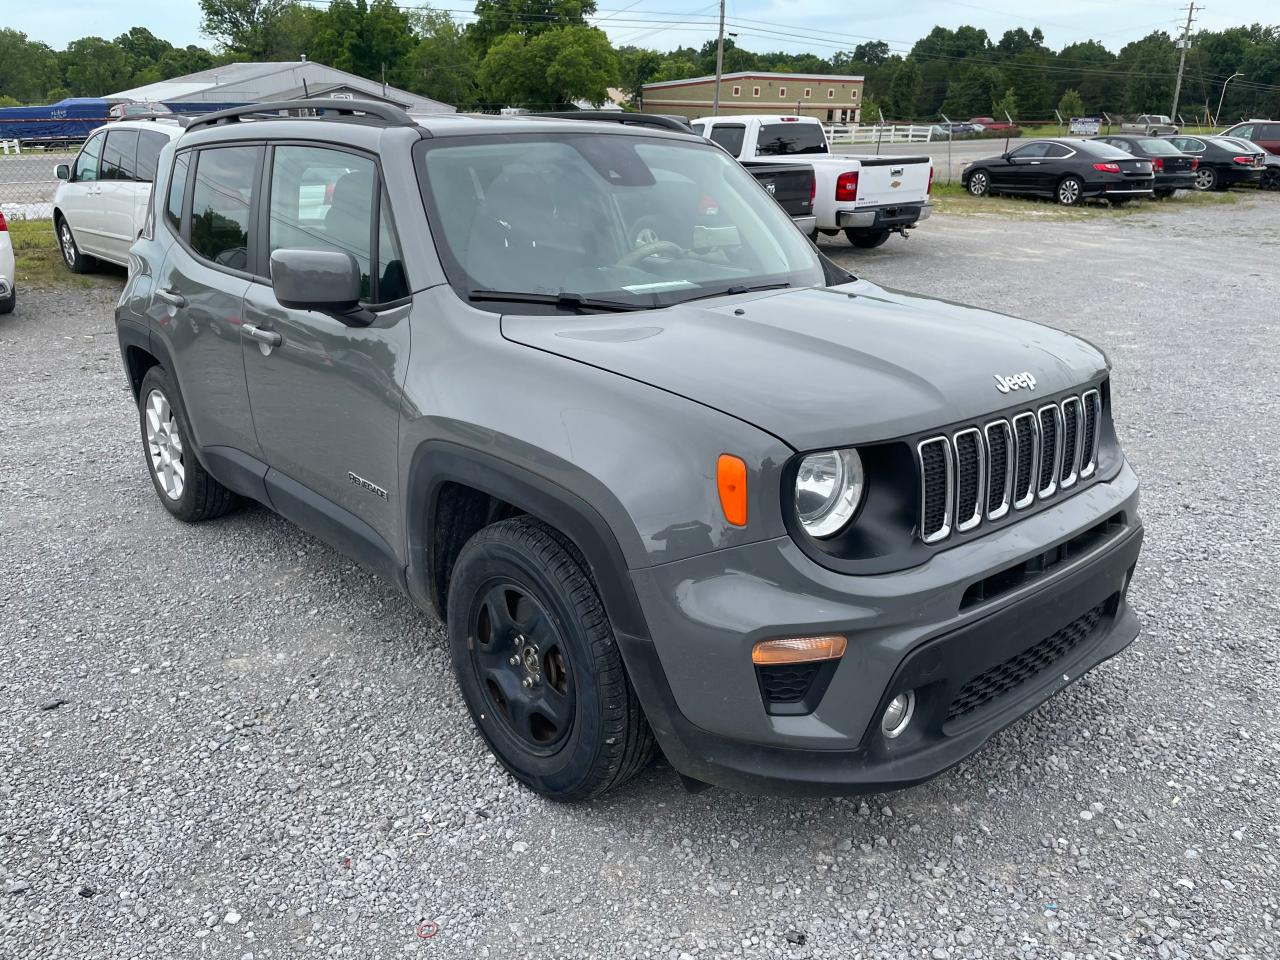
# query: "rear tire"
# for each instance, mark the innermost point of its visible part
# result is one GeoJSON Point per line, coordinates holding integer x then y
{"type": "Point", "coordinates": [1206, 179]}
{"type": "Point", "coordinates": [182, 484]}
{"type": "Point", "coordinates": [1270, 181]}
{"type": "Point", "coordinates": [538, 665]}
{"type": "Point", "coordinates": [866, 239]}
{"type": "Point", "coordinates": [76, 261]}
{"type": "Point", "coordinates": [8, 303]}
{"type": "Point", "coordinates": [1070, 192]}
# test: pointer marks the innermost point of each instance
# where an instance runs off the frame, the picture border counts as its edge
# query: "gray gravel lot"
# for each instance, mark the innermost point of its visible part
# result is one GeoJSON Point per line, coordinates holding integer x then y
{"type": "Point", "coordinates": [227, 741]}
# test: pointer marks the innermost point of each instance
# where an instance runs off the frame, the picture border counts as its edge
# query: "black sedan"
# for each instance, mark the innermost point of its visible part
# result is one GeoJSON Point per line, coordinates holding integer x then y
{"type": "Point", "coordinates": [1173, 169]}
{"type": "Point", "coordinates": [1068, 170]}
{"type": "Point", "coordinates": [1224, 161]}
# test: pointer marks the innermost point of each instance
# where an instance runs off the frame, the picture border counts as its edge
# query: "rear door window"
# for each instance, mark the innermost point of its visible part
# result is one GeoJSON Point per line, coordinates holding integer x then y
{"type": "Point", "coordinates": [785, 139]}
{"type": "Point", "coordinates": [730, 136]}
{"type": "Point", "coordinates": [86, 169]}
{"type": "Point", "coordinates": [221, 199]}
{"type": "Point", "coordinates": [119, 157]}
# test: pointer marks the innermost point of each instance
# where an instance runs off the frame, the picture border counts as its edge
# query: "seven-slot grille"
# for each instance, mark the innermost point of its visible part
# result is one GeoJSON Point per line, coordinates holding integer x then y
{"type": "Point", "coordinates": [980, 473]}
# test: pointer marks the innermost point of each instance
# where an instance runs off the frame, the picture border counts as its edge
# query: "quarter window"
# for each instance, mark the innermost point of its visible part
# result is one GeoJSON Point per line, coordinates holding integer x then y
{"type": "Point", "coordinates": [391, 282]}
{"type": "Point", "coordinates": [221, 198]}
{"type": "Point", "coordinates": [86, 170]}
{"type": "Point", "coordinates": [119, 157]}
{"type": "Point", "coordinates": [177, 189]}
{"type": "Point", "coordinates": [322, 199]}
{"type": "Point", "coordinates": [149, 147]}
{"type": "Point", "coordinates": [1056, 151]}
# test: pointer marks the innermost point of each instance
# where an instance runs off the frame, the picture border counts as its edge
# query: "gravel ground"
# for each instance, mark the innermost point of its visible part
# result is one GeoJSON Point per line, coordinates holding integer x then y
{"type": "Point", "coordinates": [227, 741]}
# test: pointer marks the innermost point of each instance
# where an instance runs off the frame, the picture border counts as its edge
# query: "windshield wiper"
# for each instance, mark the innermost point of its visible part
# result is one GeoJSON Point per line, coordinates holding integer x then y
{"type": "Point", "coordinates": [730, 291]}
{"type": "Point", "coordinates": [565, 301]}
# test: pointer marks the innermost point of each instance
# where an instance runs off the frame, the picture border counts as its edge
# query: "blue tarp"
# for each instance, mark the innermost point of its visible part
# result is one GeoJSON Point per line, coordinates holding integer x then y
{"type": "Point", "coordinates": [74, 118]}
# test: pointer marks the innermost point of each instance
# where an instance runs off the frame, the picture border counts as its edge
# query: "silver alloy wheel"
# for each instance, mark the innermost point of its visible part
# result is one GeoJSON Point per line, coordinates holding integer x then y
{"type": "Point", "coordinates": [1205, 178]}
{"type": "Point", "coordinates": [978, 184]}
{"type": "Point", "coordinates": [164, 445]}
{"type": "Point", "coordinates": [1068, 192]}
{"type": "Point", "coordinates": [68, 244]}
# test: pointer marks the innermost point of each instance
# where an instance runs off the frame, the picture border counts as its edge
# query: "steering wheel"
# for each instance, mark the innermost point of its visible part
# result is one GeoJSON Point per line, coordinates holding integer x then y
{"type": "Point", "coordinates": [646, 250]}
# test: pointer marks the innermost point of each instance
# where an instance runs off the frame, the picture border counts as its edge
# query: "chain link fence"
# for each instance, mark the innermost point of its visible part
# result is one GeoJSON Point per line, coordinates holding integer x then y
{"type": "Point", "coordinates": [27, 183]}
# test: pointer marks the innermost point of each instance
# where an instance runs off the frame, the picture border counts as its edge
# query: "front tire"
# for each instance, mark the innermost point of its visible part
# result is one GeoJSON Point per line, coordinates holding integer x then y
{"type": "Point", "coordinates": [76, 261]}
{"type": "Point", "coordinates": [1070, 191]}
{"type": "Point", "coordinates": [979, 183]}
{"type": "Point", "coordinates": [8, 303]}
{"type": "Point", "coordinates": [866, 239]}
{"type": "Point", "coordinates": [538, 665]}
{"type": "Point", "coordinates": [1206, 179]}
{"type": "Point", "coordinates": [182, 484]}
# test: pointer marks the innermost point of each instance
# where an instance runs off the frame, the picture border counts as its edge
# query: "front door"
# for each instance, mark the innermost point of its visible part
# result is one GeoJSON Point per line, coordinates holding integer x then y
{"type": "Point", "coordinates": [79, 201]}
{"type": "Point", "coordinates": [326, 397]}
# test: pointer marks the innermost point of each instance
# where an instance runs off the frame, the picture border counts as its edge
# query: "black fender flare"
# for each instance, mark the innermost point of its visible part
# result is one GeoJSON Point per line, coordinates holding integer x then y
{"type": "Point", "coordinates": [436, 463]}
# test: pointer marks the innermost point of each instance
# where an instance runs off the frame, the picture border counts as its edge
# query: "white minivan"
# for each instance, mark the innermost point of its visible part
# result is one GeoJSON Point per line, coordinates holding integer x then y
{"type": "Point", "coordinates": [101, 204]}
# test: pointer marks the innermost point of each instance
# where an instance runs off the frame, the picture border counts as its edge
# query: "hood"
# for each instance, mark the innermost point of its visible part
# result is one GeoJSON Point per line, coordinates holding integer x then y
{"type": "Point", "coordinates": [825, 367]}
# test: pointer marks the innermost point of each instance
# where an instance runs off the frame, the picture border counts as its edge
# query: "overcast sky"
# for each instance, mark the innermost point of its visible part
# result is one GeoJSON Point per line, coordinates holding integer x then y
{"type": "Point", "coordinates": [832, 24]}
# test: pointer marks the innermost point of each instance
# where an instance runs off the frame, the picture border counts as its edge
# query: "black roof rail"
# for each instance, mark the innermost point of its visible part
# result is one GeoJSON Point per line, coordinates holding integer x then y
{"type": "Point", "coordinates": [348, 109]}
{"type": "Point", "coordinates": [676, 124]}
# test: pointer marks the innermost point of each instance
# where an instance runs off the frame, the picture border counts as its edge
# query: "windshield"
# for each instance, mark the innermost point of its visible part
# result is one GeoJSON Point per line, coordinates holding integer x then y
{"type": "Point", "coordinates": [629, 221]}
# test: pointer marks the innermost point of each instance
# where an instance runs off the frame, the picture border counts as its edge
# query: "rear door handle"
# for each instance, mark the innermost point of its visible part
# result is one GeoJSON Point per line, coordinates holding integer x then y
{"type": "Point", "coordinates": [268, 337]}
{"type": "Point", "coordinates": [172, 298]}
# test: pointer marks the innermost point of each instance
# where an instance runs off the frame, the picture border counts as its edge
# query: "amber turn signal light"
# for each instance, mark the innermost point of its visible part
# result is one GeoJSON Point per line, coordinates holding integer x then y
{"type": "Point", "coordinates": [798, 650]}
{"type": "Point", "coordinates": [731, 479]}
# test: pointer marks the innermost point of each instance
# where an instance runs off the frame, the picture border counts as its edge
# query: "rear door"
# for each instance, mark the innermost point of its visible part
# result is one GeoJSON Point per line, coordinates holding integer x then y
{"type": "Point", "coordinates": [199, 292]}
{"type": "Point", "coordinates": [150, 143]}
{"type": "Point", "coordinates": [116, 183]}
{"type": "Point", "coordinates": [79, 198]}
{"type": "Point", "coordinates": [1267, 136]}
{"type": "Point", "coordinates": [326, 399]}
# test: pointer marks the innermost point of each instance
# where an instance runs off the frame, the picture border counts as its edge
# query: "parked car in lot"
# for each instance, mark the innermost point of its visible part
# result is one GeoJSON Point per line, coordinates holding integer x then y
{"type": "Point", "coordinates": [992, 124]}
{"type": "Point", "coordinates": [790, 185]}
{"type": "Point", "coordinates": [806, 533]}
{"type": "Point", "coordinates": [1173, 169]}
{"type": "Point", "coordinates": [8, 271]}
{"type": "Point", "coordinates": [1270, 177]}
{"type": "Point", "coordinates": [1150, 125]}
{"type": "Point", "coordinates": [101, 202]}
{"type": "Point", "coordinates": [1068, 170]}
{"type": "Point", "coordinates": [1223, 162]}
{"type": "Point", "coordinates": [868, 197]}
{"type": "Point", "coordinates": [1262, 133]}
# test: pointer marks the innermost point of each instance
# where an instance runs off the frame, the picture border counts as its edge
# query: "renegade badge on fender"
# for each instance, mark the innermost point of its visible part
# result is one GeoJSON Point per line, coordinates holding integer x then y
{"type": "Point", "coordinates": [702, 489]}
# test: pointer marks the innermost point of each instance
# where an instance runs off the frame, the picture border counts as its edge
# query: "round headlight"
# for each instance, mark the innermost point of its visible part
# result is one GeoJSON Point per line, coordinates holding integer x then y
{"type": "Point", "coordinates": [828, 489]}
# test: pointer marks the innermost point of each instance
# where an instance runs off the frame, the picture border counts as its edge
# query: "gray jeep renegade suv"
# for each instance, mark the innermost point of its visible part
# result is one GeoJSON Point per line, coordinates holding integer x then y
{"type": "Point", "coordinates": [666, 473]}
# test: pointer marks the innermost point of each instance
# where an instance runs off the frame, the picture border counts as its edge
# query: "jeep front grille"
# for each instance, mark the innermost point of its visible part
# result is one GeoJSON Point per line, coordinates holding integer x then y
{"type": "Point", "coordinates": [981, 472]}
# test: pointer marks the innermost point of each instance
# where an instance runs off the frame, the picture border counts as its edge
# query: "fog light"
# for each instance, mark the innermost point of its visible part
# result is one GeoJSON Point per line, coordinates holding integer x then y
{"type": "Point", "coordinates": [898, 714]}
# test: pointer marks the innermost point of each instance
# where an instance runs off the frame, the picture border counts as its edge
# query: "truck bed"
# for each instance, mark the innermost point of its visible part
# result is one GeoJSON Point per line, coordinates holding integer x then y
{"type": "Point", "coordinates": [790, 184]}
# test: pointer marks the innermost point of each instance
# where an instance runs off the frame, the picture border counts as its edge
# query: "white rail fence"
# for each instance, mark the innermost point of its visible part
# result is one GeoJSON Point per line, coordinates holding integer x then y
{"type": "Point", "coordinates": [878, 133]}
{"type": "Point", "coordinates": [7, 145]}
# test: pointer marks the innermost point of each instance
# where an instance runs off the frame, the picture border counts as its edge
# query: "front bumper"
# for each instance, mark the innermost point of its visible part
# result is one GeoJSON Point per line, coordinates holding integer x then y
{"type": "Point", "coordinates": [885, 217]}
{"type": "Point", "coordinates": [906, 631]}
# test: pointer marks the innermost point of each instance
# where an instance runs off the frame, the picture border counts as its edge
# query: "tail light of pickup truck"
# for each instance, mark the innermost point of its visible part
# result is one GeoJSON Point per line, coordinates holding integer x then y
{"type": "Point", "coordinates": [4, 227]}
{"type": "Point", "coordinates": [928, 191]}
{"type": "Point", "coordinates": [847, 186]}
{"type": "Point", "coordinates": [1107, 167]}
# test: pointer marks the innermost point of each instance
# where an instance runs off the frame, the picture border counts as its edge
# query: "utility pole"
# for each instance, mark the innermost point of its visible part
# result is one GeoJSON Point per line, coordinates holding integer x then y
{"type": "Point", "coordinates": [1182, 59]}
{"type": "Point", "coordinates": [715, 101]}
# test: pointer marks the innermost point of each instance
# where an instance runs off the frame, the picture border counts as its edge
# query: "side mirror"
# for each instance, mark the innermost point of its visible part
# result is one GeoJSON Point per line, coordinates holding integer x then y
{"type": "Point", "coordinates": [327, 281]}
{"type": "Point", "coordinates": [62, 171]}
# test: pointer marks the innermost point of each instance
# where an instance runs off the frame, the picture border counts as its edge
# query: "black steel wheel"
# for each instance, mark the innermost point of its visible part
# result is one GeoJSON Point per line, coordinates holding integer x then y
{"type": "Point", "coordinates": [538, 664]}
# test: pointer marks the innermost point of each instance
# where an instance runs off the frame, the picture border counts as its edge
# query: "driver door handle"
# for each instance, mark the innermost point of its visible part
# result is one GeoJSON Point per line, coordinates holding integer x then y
{"type": "Point", "coordinates": [255, 332]}
{"type": "Point", "coordinates": [172, 298]}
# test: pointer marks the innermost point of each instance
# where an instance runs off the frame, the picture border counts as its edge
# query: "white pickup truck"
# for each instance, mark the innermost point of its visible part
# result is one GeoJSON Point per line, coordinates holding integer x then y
{"type": "Point", "coordinates": [868, 197]}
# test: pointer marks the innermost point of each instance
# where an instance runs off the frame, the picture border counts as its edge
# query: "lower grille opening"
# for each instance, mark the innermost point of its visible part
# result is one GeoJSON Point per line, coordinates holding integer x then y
{"type": "Point", "coordinates": [1027, 665]}
{"type": "Point", "coordinates": [1016, 576]}
{"type": "Point", "coordinates": [794, 688]}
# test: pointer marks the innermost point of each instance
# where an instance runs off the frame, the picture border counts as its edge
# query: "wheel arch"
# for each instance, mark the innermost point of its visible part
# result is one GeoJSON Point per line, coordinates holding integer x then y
{"type": "Point", "coordinates": [454, 490]}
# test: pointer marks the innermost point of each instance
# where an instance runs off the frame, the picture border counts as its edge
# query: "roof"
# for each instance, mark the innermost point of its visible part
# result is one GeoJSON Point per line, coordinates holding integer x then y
{"type": "Point", "coordinates": [251, 82]}
{"type": "Point", "coordinates": [758, 75]}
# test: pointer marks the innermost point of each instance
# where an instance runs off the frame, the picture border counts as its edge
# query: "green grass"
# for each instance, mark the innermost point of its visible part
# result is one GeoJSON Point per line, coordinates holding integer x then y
{"type": "Point", "coordinates": [954, 200]}
{"type": "Point", "coordinates": [38, 260]}
{"type": "Point", "coordinates": [1054, 130]}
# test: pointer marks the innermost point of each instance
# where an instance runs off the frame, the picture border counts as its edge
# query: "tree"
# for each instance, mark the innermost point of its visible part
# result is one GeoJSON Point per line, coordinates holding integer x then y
{"type": "Point", "coordinates": [550, 70]}
{"type": "Point", "coordinates": [94, 67]}
{"type": "Point", "coordinates": [259, 29]}
{"type": "Point", "coordinates": [1090, 69]}
{"type": "Point", "coordinates": [362, 38]}
{"type": "Point", "coordinates": [441, 65]}
{"type": "Point", "coordinates": [636, 67]}
{"type": "Point", "coordinates": [1006, 105]}
{"type": "Point", "coordinates": [873, 52]}
{"type": "Point", "coordinates": [28, 69]}
{"type": "Point", "coordinates": [1071, 105]}
{"type": "Point", "coordinates": [526, 18]}
{"type": "Point", "coordinates": [904, 92]}
{"type": "Point", "coordinates": [972, 91]}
